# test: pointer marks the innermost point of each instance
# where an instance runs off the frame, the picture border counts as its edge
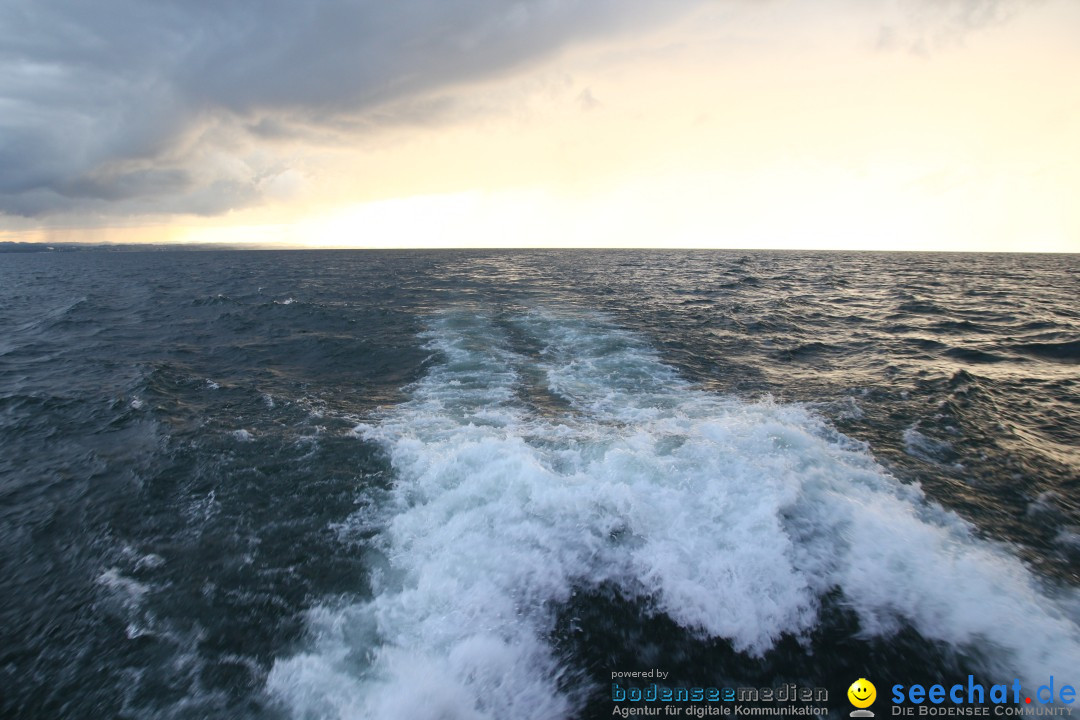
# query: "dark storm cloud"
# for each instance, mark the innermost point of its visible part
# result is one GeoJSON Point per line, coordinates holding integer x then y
{"type": "Point", "coordinates": [107, 105]}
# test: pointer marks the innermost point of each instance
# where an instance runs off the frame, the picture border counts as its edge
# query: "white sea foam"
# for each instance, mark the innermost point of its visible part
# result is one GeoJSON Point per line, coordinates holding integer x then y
{"type": "Point", "coordinates": [150, 561]}
{"type": "Point", "coordinates": [734, 518]}
{"type": "Point", "coordinates": [1045, 505]}
{"type": "Point", "coordinates": [920, 446]}
{"type": "Point", "coordinates": [846, 409]}
{"type": "Point", "coordinates": [124, 588]}
{"type": "Point", "coordinates": [1069, 540]}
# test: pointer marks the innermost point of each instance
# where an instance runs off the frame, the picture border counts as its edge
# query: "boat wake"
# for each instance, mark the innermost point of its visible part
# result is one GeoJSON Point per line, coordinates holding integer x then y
{"type": "Point", "coordinates": [550, 454]}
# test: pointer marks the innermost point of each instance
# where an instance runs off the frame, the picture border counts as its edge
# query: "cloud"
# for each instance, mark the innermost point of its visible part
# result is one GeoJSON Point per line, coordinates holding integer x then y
{"type": "Point", "coordinates": [587, 101]}
{"type": "Point", "coordinates": [927, 26]}
{"type": "Point", "coordinates": [132, 107]}
{"type": "Point", "coordinates": [122, 106]}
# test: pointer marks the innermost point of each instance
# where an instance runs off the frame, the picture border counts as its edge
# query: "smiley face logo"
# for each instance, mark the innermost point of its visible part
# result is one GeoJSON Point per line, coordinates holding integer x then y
{"type": "Point", "coordinates": [862, 693]}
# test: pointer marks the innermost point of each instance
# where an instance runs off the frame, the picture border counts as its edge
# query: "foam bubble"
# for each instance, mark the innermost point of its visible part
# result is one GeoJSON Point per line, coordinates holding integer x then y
{"type": "Point", "coordinates": [732, 518]}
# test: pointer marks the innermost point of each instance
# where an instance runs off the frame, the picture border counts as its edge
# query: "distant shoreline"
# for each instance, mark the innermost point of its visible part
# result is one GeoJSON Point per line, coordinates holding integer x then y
{"type": "Point", "coordinates": [11, 247]}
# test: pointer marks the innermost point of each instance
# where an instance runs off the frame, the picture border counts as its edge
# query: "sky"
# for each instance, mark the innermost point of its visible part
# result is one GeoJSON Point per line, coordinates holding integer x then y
{"type": "Point", "coordinates": [803, 124]}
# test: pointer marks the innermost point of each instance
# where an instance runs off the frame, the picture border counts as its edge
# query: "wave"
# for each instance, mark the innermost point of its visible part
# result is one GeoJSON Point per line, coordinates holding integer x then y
{"type": "Point", "coordinates": [734, 519]}
{"type": "Point", "coordinates": [1065, 352]}
{"type": "Point", "coordinates": [921, 307]}
{"type": "Point", "coordinates": [972, 355]}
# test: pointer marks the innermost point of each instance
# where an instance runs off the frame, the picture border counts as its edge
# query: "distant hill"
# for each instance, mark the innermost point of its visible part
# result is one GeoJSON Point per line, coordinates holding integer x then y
{"type": "Point", "coordinates": [30, 247]}
{"type": "Point", "coordinates": [20, 247]}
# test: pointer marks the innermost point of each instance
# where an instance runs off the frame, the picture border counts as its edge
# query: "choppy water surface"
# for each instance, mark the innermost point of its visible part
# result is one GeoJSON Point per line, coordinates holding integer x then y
{"type": "Point", "coordinates": [473, 484]}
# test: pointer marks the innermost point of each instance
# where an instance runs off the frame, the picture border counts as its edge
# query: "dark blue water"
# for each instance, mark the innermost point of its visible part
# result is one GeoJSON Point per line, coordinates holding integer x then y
{"type": "Point", "coordinates": [475, 484]}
